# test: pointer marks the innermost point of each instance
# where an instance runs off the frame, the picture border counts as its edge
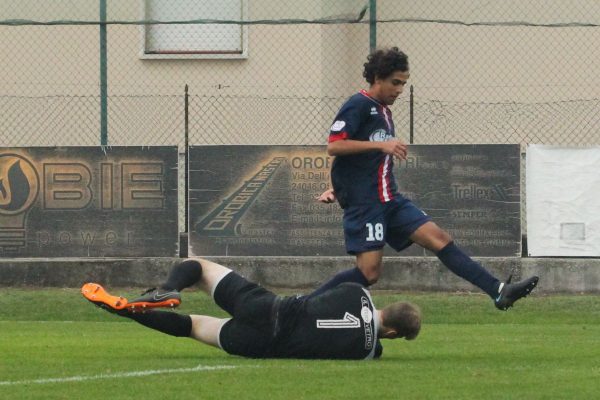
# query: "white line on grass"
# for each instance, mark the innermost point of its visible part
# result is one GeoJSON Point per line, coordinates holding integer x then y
{"type": "Point", "coordinates": [132, 374]}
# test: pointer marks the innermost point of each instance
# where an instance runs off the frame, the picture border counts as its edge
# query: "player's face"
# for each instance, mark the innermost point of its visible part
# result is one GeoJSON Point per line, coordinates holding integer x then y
{"type": "Point", "coordinates": [391, 87]}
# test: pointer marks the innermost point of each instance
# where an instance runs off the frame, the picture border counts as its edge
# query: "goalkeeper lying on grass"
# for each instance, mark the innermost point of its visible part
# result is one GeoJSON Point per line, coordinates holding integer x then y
{"type": "Point", "coordinates": [337, 323]}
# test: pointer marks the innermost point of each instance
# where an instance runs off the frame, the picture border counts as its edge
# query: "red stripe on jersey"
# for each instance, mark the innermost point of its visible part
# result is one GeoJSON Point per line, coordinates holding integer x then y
{"type": "Point", "coordinates": [364, 93]}
{"type": "Point", "coordinates": [337, 136]}
{"type": "Point", "coordinates": [383, 180]}
{"type": "Point", "coordinates": [379, 183]}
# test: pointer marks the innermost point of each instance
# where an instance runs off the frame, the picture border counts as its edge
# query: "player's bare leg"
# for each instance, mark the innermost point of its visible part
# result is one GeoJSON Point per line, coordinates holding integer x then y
{"type": "Point", "coordinates": [206, 329]}
{"type": "Point", "coordinates": [370, 264]}
{"type": "Point", "coordinates": [212, 273]}
{"type": "Point", "coordinates": [431, 237]}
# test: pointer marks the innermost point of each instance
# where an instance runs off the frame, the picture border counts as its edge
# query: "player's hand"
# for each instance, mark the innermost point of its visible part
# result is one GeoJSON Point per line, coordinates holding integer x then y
{"type": "Point", "coordinates": [327, 196]}
{"type": "Point", "coordinates": [395, 147]}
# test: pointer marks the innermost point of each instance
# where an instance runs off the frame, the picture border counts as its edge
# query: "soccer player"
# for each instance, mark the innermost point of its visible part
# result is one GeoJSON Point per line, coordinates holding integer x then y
{"type": "Point", "coordinates": [339, 323]}
{"type": "Point", "coordinates": [363, 141]}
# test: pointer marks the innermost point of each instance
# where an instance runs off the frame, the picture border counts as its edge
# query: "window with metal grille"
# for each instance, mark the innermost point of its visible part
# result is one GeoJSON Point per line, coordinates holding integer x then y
{"type": "Point", "coordinates": [195, 40]}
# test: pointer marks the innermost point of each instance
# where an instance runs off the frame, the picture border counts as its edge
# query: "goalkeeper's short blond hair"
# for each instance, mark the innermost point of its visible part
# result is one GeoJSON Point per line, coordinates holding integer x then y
{"type": "Point", "coordinates": [404, 318]}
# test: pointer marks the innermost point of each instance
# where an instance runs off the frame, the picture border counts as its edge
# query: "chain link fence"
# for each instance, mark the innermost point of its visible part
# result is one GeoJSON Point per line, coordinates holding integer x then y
{"type": "Point", "coordinates": [115, 72]}
{"type": "Point", "coordinates": [275, 72]}
{"type": "Point", "coordinates": [500, 72]}
{"type": "Point", "coordinates": [82, 72]}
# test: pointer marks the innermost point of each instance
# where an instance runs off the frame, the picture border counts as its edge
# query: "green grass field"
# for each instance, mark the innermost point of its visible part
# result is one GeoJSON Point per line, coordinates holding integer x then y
{"type": "Point", "coordinates": [56, 345]}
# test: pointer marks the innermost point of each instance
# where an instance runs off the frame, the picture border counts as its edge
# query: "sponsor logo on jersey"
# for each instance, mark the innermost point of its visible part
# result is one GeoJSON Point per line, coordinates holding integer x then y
{"type": "Point", "coordinates": [368, 328]}
{"type": "Point", "coordinates": [366, 314]}
{"type": "Point", "coordinates": [373, 110]}
{"type": "Point", "coordinates": [338, 126]}
{"type": "Point", "coordinates": [380, 135]}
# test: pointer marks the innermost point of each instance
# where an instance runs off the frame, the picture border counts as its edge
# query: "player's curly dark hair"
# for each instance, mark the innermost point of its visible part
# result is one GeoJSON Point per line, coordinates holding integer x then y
{"type": "Point", "coordinates": [404, 318]}
{"type": "Point", "coordinates": [383, 63]}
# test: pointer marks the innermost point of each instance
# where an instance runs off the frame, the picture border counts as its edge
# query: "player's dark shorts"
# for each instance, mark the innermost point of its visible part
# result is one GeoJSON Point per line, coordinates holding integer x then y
{"type": "Point", "coordinates": [370, 227]}
{"type": "Point", "coordinates": [251, 331]}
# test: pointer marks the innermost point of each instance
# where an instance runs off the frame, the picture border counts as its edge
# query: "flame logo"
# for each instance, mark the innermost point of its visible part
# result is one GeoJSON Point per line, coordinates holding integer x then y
{"type": "Point", "coordinates": [18, 184]}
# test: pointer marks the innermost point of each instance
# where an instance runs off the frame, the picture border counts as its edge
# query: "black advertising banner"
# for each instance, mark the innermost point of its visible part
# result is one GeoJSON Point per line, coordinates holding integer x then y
{"type": "Point", "coordinates": [260, 200]}
{"type": "Point", "coordinates": [471, 191]}
{"type": "Point", "coordinates": [86, 202]}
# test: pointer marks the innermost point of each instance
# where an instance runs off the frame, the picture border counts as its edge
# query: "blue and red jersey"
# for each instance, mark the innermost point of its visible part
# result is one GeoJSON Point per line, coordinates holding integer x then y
{"type": "Point", "coordinates": [363, 178]}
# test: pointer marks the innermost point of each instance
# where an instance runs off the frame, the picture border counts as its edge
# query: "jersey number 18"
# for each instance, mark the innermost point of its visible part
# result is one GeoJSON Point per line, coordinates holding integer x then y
{"type": "Point", "coordinates": [375, 232]}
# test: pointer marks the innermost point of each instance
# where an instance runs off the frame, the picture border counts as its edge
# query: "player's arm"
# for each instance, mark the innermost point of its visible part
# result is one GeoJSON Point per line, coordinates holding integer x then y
{"type": "Point", "coordinates": [327, 196]}
{"type": "Point", "coordinates": [394, 147]}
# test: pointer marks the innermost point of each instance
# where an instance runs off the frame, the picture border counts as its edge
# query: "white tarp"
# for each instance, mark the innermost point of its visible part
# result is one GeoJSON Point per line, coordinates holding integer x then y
{"type": "Point", "coordinates": [563, 201]}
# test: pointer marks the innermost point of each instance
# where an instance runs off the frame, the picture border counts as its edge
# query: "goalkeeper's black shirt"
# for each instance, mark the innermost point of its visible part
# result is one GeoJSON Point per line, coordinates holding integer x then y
{"type": "Point", "coordinates": [338, 324]}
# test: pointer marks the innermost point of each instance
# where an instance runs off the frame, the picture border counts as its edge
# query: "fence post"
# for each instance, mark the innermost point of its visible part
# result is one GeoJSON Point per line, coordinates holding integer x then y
{"type": "Point", "coordinates": [184, 236]}
{"type": "Point", "coordinates": [103, 77]}
{"type": "Point", "coordinates": [412, 114]}
{"type": "Point", "coordinates": [372, 25]}
{"type": "Point", "coordinates": [186, 153]}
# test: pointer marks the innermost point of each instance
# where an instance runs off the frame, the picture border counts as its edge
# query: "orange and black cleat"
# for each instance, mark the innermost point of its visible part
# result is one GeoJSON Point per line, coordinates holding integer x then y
{"type": "Point", "coordinates": [100, 297]}
{"type": "Point", "coordinates": [155, 298]}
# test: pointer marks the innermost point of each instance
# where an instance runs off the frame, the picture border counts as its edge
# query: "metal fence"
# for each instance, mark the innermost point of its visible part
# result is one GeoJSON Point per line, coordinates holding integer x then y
{"type": "Point", "coordinates": [114, 72]}
{"type": "Point", "coordinates": [80, 72]}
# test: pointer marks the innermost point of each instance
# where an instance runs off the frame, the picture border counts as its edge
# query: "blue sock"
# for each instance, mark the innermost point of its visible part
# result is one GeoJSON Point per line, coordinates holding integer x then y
{"type": "Point", "coordinates": [350, 275]}
{"type": "Point", "coordinates": [462, 265]}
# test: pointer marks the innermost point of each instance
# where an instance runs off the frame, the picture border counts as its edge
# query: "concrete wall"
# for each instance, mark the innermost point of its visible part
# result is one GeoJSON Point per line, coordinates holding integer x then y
{"type": "Point", "coordinates": [401, 274]}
